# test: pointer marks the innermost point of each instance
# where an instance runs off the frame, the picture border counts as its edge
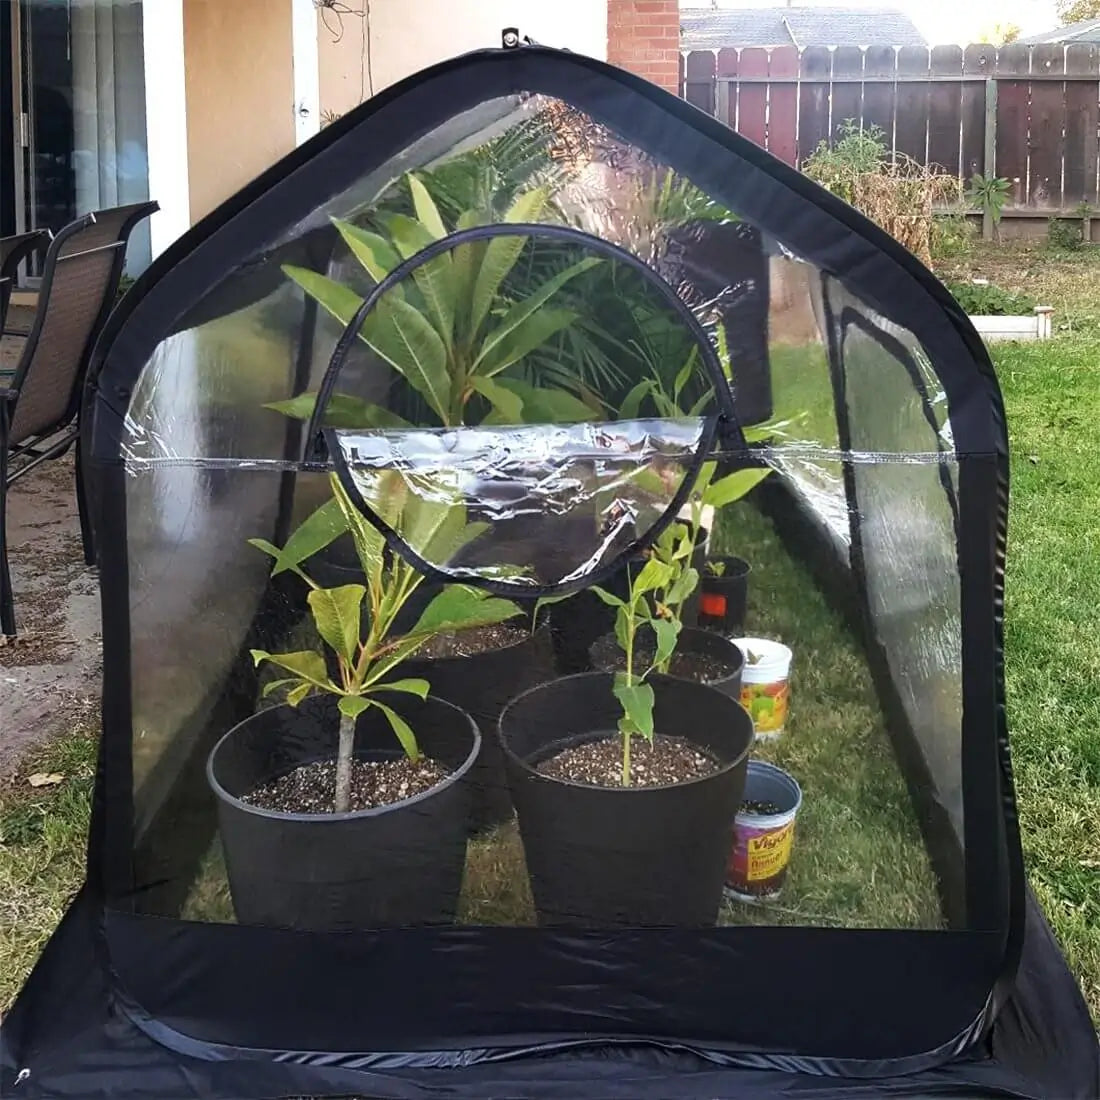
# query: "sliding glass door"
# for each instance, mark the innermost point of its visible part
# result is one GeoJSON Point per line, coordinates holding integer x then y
{"type": "Point", "coordinates": [80, 111]}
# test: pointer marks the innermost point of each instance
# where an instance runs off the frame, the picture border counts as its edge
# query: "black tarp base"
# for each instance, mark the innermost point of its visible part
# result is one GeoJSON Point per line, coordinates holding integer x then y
{"type": "Point", "coordinates": [85, 1046]}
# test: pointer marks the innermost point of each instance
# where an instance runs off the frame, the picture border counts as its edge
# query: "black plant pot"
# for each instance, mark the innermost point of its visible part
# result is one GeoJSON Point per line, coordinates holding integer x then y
{"type": "Point", "coordinates": [724, 601]}
{"type": "Point", "coordinates": [692, 640]}
{"type": "Point", "coordinates": [625, 856]}
{"type": "Point", "coordinates": [399, 864]}
{"type": "Point", "coordinates": [578, 622]}
{"type": "Point", "coordinates": [482, 685]}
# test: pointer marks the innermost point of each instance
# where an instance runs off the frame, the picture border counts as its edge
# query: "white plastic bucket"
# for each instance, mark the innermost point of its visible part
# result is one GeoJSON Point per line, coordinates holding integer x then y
{"type": "Point", "coordinates": [765, 687]}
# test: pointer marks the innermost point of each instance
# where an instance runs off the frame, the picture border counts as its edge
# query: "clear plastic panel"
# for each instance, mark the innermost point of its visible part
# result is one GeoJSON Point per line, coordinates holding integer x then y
{"type": "Point", "coordinates": [906, 499]}
{"type": "Point", "coordinates": [541, 505]}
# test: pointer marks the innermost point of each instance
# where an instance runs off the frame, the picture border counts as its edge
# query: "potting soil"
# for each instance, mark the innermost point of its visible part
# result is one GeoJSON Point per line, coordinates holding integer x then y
{"type": "Point", "coordinates": [660, 763]}
{"type": "Point", "coordinates": [310, 788]}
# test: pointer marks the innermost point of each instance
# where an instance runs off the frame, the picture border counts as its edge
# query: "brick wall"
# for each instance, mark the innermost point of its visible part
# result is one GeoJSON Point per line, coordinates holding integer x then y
{"type": "Point", "coordinates": [643, 36]}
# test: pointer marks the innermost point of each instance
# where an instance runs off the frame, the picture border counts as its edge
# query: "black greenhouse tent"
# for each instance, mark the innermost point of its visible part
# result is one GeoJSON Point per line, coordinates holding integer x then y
{"type": "Point", "coordinates": [529, 290]}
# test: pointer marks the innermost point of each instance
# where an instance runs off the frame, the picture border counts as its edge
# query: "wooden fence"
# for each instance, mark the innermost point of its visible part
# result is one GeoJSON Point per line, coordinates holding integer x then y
{"type": "Point", "coordinates": [1028, 113]}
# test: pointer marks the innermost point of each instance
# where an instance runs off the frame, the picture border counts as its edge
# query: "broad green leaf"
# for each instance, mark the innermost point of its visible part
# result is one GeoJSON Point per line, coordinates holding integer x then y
{"type": "Point", "coordinates": [501, 254]}
{"type": "Point", "coordinates": [268, 548]}
{"type": "Point", "coordinates": [507, 404]}
{"type": "Point", "coordinates": [548, 406]}
{"type": "Point", "coordinates": [607, 597]}
{"type": "Point", "coordinates": [632, 403]}
{"type": "Point", "coordinates": [333, 297]}
{"type": "Point", "coordinates": [408, 235]}
{"type": "Point", "coordinates": [419, 688]}
{"type": "Point", "coordinates": [466, 263]}
{"type": "Point", "coordinates": [402, 730]}
{"type": "Point", "coordinates": [343, 411]}
{"type": "Point", "coordinates": [530, 334]}
{"type": "Point", "coordinates": [523, 311]}
{"type": "Point", "coordinates": [734, 486]}
{"type": "Point", "coordinates": [312, 535]}
{"type": "Point", "coordinates": [724, 352]}
{"type": "Point", "coordinates": [351, 706]}
{"type": "Point", "coordinates": [369, 543]}
{"type": "Point", "coordinates": [337, 613]}
{"type": "Point", "coordinates": [374, 252]}
{"type": "Point", "coordinates": [666, 632]}
{"type": "Point", "coordinates": [297, 694]}
{"type": "Point", "coordinates": [637, 703]}
{"type": "Point", "coordinates": [459, 606]}
{"type": "Point", "coordinates": [426, 210]}
{"type": "Point", "coordinates": [404, 337]}
{"type": "Point", "coordinates": [683, 586]}
{"type": "Point", "coordinates": [623, 619]}
{"type": "Point", "coordinates": [306, 664]}
{"type": "Point", "coordinates": [274, 685]}
{"type": "Point", "coordinates": [435, 278]}
{"type": "Point", "coordinates": [654, 574]}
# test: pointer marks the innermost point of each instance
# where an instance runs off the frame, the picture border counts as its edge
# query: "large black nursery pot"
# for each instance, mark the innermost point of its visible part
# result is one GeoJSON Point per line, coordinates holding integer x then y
{"type": "Point", "coordinates": [625, 856]}
{"type": "Point", "coordinates": [482, 685]}
{"type": "Point", "coordinates": [691, 641]}
{"type": "Point", "coordinates": [579, 621]}
{"type": "Point", "coordinates": [399, 864]}
{"type": "Point", "coordinates": [724, 602]}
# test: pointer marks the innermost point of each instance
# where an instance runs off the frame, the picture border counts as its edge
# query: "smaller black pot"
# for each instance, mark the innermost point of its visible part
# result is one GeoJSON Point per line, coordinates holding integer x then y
{"type": "Point", "coordinates": [724, 601]}
{"type": "Point", "coordinates": [704, 643]}
{"type": "Point", "coordinates": [396, 865]}
{"type": "Point", "coordinates": [625, 856]}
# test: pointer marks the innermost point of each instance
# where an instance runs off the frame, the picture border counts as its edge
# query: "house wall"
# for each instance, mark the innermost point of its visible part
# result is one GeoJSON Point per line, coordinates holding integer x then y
{"type": "Point", "coordinates": [403, 37]}
{"type": "Point", "coordinates": [644, 37]}
{"type": "Point", "coordinates": [239, 80]}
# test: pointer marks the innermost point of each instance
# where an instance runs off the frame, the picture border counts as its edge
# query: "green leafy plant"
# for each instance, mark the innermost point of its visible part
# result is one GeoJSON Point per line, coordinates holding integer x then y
{"type": "Point", "coordinates": [446, 330]}
{"type": "Point", "coordinates": [1064, 236]}
{"type": "Point", "coordinates": [989, 300]}
{"type": "Point", "coordinates": [989, 195]}
{"type": "Point", "coordinates": [952, 236]}
{"type": "Point", "coordinates": [367, 660]}
{"type": "Point", "coordinates": [675, 548]}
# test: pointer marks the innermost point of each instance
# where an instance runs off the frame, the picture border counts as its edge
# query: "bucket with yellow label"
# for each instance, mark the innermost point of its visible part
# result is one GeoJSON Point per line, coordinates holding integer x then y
{"type": "Point", "coordinates": [765, 684]}
{"type": "Point", "coordinates": [763, 833]}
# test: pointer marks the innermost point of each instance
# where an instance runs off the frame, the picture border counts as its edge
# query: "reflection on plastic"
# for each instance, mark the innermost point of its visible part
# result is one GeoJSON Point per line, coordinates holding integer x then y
{"type": "Point", "coordinates": [558, 501]}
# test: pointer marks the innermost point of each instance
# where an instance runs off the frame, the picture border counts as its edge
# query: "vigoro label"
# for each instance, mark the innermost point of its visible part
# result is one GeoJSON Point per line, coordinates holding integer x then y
{"type": "Point", "coordinates": [769, 853]}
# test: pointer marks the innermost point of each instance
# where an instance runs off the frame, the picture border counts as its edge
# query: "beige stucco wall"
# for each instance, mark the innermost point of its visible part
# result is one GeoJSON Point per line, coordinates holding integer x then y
{"type": "Point", "coordinates": [240, 93]}
{"type": "Point", "coordinates": [407, 35]}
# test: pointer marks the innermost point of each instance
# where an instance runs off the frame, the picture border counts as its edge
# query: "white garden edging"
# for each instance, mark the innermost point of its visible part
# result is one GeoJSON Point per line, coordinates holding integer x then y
{"type": "Point", "coordinates": [1035, 327]}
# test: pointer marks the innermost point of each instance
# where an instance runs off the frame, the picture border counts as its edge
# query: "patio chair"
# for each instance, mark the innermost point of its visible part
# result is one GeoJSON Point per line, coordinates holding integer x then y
{"type": "Point", "coordinates": [13, 251]}
{"type": "Point", "coordinates": [40, 400]}
{"type": "Point", "coordinates": [5, 297]}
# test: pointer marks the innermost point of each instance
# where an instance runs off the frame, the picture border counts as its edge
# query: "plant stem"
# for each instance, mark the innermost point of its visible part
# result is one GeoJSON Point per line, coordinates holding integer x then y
{"type": "Point", "coordinates": [344, 754]}
{"type": "Point", "coordinates": [630, 683]}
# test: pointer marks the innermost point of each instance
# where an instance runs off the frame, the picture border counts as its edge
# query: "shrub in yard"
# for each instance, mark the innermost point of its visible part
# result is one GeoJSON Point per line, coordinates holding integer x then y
{"type": "Point", "coordinates": [892, 189]}
{"type": "Point", "coordinates": [1064, 236]}
{"type": "Point", "coordinates": [988, 300]}
{"type": "Point", "coordinates": [952, 236]}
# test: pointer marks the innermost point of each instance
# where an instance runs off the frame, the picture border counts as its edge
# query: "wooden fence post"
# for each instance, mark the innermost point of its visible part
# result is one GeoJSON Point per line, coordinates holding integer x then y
{"type": "Point", "coordinates": [989, 163]}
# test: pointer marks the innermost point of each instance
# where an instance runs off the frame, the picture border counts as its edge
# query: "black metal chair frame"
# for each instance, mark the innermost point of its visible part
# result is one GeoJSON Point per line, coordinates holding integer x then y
{"type": "Point", "coordinates": [13, 251]}
{"type": "Point", "coordinates": [56, 440]}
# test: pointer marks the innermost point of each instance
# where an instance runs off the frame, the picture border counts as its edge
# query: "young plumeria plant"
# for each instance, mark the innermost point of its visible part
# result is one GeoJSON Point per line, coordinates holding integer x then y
{"type": "Point", "coordinates": [367, 659]}
{"type": "Point", "coordinates": [677, 544]}
{"type": "Point", "coordinates": [635, 695]}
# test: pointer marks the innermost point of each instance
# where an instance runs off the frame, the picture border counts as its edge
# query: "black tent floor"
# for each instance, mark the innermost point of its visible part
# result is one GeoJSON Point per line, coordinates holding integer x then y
{"type": "Point", "coordinates": [65, 1039]}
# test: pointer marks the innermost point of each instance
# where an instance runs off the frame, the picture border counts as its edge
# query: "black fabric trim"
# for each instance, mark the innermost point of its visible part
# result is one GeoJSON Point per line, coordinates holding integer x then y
{"type": "Point", "coordinates": [507, 588]}
{"type": "Point", "coordinates": [398, 275]}
{"type": "Point", "coordinates": [507, 992]}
